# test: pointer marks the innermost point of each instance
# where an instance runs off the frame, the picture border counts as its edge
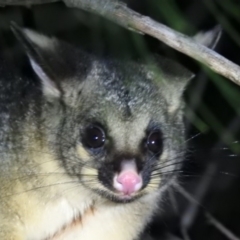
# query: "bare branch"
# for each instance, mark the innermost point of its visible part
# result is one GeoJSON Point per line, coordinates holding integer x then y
{"type": "Point", "coordinates": [221, 227]}
{"type": "Point", "coordinates": [191, 211]}
{"type": "Point", "coordinates": [211, 219]}
{"type": "Point", "coordinates": [185, 233]}
{"type": "Point", "coordinates": [173, 200]}
{"type": "Point", "coordinates": [121, 14]}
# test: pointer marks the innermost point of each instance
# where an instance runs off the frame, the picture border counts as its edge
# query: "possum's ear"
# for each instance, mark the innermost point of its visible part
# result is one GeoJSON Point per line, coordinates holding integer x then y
{"type": "Point", "coordinates": [172, 79]}
{"type": "Point", "coordinates": [48, 59]}
{"type": "Point", "coordinates": [210, 38]}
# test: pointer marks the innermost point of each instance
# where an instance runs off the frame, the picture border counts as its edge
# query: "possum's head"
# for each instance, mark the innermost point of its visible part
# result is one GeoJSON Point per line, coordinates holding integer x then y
{"type": "Point", "coordinates": [115, 126]}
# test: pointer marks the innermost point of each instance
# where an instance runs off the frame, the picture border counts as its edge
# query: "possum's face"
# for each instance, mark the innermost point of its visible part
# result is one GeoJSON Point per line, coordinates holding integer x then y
{"type": "Point", "coordinates": [129, 138]}
{"type": "Point", "coordinates": [118, 125]}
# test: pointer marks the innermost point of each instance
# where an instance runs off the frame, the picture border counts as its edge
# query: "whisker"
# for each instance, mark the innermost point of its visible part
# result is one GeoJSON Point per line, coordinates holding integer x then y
{"type": "Point", "coordinates": [172, 164]}
{"type": "Point", "coordinates": [167, 172]}
{"type": "Point", "coordinates": [193, 137]}
{"type": "Point", "coordinates": [37, 188]}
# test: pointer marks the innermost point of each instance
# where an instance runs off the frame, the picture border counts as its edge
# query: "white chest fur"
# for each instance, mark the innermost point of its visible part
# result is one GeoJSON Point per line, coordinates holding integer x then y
{"type": "Point", "coordinates": [104, 221]}
{"type": "Point", "coordinates": [52, 218]}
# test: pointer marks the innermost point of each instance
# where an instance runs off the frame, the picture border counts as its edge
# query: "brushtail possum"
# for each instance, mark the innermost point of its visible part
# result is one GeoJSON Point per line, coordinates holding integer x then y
{"type": "Point", "coordinates": [88, 144]}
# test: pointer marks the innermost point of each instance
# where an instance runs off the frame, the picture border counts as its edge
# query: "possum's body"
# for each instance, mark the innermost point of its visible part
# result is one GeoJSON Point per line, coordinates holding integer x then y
{"type": "Point", "coordinates": [87, 144]}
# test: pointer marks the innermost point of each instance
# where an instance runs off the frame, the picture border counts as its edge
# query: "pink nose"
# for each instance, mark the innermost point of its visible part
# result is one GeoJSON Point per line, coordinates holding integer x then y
{"type": "Point", "coordinates": [128, 182]}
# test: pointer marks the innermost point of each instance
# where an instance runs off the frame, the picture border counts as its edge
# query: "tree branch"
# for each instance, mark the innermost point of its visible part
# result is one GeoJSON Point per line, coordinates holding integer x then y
{"type": "Point", "coordinates": [121, 14]}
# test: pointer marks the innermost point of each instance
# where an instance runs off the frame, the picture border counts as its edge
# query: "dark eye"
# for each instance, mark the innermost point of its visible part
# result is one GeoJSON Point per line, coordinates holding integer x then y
{"type": "Point", "coordinates": [155, 142]}
{"type": "Point", "coordinates": [94, 137]}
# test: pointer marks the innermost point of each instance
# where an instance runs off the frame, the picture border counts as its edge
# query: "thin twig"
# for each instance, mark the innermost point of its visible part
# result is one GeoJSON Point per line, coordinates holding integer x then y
{"type": "Point", "coordinates": [191, 211]}
{"type": "Point", "coordinates": [173, 200]}
{"type": "Point", "coordinates": [221, 227]}
{"type": "Point", "coordinates": [185, 233]}
{"type": "Point", "coordinates": [211, 219]}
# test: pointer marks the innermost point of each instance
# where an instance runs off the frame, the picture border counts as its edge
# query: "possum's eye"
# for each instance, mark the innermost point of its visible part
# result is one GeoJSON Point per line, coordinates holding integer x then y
{"type": "Point", "coordinates": [155, 142]}
{"type": "Point", "coordinates": [94, 137]}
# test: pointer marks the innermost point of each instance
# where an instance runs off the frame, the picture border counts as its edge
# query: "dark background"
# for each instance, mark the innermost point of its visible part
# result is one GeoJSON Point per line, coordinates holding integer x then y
{"type": "Point", "coordinates": [211, 172]}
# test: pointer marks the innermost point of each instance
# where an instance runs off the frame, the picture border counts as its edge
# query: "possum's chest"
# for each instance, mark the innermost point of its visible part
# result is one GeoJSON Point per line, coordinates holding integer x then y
{"type": "Point", "coordinates": [102, 223]}
{"type": "Point", "coordinates": [60, 221]}
{"type": "Point", "coordinates": [48, 219]}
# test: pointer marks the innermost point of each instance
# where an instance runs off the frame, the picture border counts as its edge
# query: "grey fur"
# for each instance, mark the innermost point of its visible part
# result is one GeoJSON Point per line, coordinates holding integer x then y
{"type": "Point", "coordinates": [126, 98]}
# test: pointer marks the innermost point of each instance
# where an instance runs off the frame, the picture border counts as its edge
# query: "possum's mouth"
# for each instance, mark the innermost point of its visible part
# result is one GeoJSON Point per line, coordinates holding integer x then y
{"type": "Point", "coordinates": [121, 186]}
{"type": "Point", "coordinates": [126, 184]}
{"type": "Point", "coordinates": [119, 198]}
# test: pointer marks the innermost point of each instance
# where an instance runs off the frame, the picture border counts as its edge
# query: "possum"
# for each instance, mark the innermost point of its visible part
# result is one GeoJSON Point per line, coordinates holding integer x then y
{"type": "Point", "coordinates": [88, 143]}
